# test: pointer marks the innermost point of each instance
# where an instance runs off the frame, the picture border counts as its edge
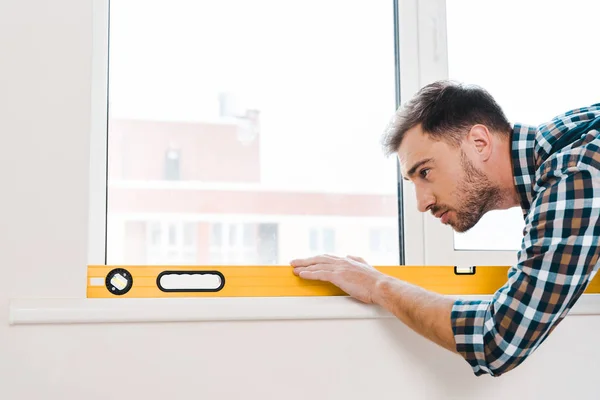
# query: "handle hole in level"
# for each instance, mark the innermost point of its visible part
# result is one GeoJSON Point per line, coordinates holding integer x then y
{"type": "Point", "coordinates": [190, 281]}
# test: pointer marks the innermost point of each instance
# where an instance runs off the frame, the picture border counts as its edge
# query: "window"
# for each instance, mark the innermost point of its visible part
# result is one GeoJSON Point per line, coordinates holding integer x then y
{"type": "Point", "coordinates": [322, 240]}
{"type": "Point", "coordinates": [381, 240]}
{"type": "Point", "coordinates": [170, 242]}
{"type": "Point", "coordinates": [265, 140]}
{"type": "Point", "coordinates": [527, 67]}
{"type": "Point", "coordinates": [268, 244]}
{"type": "Point", "coordinates": [172, 164]}
{"type": "Point", "coordinates": [233, 244]}
{"type": "Point", "coordinates": [233, 151]}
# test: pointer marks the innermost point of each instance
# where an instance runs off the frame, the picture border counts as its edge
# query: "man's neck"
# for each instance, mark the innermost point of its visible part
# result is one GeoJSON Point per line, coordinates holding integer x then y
{"type": "Point", "coordinates": [504, 177]}
{"type": "Point", "coordinates": [510, 198]}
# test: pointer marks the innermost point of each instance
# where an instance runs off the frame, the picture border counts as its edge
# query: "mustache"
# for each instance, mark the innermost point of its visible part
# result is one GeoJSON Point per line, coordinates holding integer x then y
{"type": "Point", "coordinates": [435, 209]}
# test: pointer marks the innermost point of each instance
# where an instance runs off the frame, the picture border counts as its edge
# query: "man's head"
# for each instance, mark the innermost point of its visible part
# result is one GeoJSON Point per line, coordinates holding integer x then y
{"type": "Point", "coordinates": [453, 143]}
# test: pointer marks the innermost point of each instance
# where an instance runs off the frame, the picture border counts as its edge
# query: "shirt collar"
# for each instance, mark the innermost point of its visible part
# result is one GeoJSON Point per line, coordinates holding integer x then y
{"type": "Point", "coordinates": [523, 156]}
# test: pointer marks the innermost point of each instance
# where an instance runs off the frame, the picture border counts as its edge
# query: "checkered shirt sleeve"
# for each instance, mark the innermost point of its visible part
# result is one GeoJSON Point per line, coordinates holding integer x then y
{"type": "Point", "coordinates": [558, 258]}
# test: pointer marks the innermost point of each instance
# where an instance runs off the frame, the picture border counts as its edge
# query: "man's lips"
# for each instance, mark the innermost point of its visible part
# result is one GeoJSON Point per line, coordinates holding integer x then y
{"type": "Point", "coordinates": [445, 217]}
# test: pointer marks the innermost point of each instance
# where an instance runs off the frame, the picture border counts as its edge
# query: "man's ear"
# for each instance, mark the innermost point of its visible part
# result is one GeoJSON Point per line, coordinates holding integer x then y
{"type": "Point", "coordinates": [480, 138]}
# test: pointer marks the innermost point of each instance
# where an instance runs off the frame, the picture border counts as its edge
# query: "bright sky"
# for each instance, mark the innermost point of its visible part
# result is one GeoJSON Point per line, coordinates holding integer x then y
{"type": "Point", "coordinates": [321, 73]}
{"type": "Point", "coordinates": [538, 58]}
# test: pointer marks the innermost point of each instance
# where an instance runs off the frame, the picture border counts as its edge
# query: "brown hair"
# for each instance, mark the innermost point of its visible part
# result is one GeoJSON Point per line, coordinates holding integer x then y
{"type": "Point", "coordinates": [446, 110]}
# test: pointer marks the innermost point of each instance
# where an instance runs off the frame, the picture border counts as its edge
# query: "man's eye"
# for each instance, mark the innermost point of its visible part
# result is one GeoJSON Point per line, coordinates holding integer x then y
{"type": "Point", "coordinates": [424, 173]}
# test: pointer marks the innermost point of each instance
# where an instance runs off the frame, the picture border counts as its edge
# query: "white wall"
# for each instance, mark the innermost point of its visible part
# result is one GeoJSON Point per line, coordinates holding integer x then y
{"type": "Point", "coordinates": [45, 50]}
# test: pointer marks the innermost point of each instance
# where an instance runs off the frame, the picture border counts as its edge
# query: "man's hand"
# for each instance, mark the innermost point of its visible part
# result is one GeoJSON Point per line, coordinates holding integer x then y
{"type": "Point", "coordinates": [425, 312]}
{"type": "Point", "coordinates": [351, 274]}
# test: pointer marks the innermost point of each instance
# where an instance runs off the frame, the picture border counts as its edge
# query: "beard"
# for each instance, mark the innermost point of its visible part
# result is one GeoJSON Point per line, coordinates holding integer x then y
{"type": "Point", "coordinates": [476, 195]}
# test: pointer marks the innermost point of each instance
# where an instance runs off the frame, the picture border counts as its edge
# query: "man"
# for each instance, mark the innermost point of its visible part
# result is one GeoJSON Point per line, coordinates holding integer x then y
{"type": "Point", "coordinates": [456, 146]}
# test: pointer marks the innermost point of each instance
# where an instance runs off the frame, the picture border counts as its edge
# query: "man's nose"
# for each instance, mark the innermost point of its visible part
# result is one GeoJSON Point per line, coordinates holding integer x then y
{"type": "Point", "coordinates": [425, 199]}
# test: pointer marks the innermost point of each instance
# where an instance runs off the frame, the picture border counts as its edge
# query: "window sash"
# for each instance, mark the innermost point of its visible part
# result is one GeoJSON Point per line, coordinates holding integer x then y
{"type": "Point", "coordinates": [420, 51]}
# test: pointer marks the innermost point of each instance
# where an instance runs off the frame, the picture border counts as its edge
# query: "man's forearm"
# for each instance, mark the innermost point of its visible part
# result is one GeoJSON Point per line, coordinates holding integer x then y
{"type": "Point", "coordinates": [425, 312]}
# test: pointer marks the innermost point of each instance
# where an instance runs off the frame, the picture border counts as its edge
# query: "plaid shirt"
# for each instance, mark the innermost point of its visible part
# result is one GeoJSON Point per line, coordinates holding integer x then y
{"type": "Point", "coordinates": [557, 174]}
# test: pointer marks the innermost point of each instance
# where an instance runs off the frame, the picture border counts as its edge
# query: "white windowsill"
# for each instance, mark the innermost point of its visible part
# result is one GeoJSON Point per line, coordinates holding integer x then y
{"type": "Point", "coordinates": [85, 311]}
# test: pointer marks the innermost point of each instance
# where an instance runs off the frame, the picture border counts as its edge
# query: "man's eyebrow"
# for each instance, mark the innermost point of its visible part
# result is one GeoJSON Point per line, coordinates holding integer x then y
{"type": "Point", "coordinates": [414, 168]}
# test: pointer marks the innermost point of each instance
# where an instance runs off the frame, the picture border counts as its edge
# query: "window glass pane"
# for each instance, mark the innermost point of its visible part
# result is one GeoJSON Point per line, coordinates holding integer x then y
{"type": "Point", "coordinates": [375, 239]}
{"type": "Point", "coordinates": [233, 238]}
{"type": "Point", "coordinates": [188, 234]}
{"type": "Point", "coordinates": [268, 245]}
{"type": "Point", "coordinates": [313, 240]}
{"type": "Point", "coordinates": [155, 234]}
{"type": "Point", "coordinates": [328, 241]}
{"type": "Point", "coordinates": [216, 235]}
{"type": "Point", "coordinates": [172, 165]}
{"type": "Point", "coordinates": [172, 234]}
{"type": "Point", "coordinates": [269, 116]}
{"type": "Point", "coordinates": [249, 235]}
{"type": "Point", "coordinates": [381, 239]}
{"type": "Point", "coordinates": [537, 59]}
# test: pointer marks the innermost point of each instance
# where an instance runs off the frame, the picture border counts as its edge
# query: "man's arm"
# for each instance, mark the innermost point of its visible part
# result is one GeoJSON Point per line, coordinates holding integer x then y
{"type": "Point", "coordinates": [425, 312]}
{"type": "Point", "coordinates": [559, 256]}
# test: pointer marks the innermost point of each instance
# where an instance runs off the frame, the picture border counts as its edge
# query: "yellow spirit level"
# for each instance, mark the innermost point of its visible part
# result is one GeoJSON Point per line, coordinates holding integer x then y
{"type": "Point", "coordinates": [106, 281]}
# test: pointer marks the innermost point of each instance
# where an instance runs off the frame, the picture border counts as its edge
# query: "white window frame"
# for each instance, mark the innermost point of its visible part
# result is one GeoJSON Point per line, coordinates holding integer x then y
{"type": "Point", "coordinates": [97, 218]}
{"type": "Point", "coordinates": [413, 33]}
{"type": "Point", "coordinates": [423, 58]}
{"type": "Point", "coordinates": [438, 239]}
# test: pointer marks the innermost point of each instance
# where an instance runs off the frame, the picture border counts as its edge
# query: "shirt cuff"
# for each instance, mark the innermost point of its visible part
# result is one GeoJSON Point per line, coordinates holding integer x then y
{"type": "Point", "coordinates": [468, 324]}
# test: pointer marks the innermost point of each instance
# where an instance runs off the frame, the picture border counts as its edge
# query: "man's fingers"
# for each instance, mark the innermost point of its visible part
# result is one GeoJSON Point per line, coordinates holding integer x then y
{"type": "Point", "coordinates": [314, 267]}
{"type": "Point", "coordinates": [318, 275]}
{"type": "Point", "coordinates": [305, 262]}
